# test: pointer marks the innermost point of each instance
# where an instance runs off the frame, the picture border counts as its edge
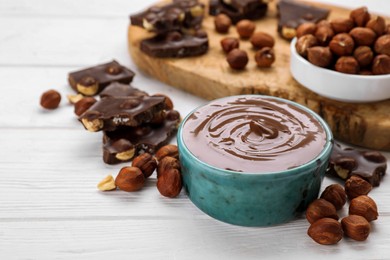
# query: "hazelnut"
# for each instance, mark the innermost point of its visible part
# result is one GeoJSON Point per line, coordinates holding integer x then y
{"type": "Point", "coordinates": [88, 86]}
{"type": "Point", "coordinates": [167, 150]}
{"type": "Point", "coordinates": [326, 231]}
{"type": "Point", "coordinates": [167, 163]}
{"type": "Point", "coordinates": [364, 55]}
{"type": "Point", "coordinates": [356, 227]}
{"type": "Point", "coordinates": [320, 56]}
{"type": "Point", "coordinates": [229, 43]}
{"type": "Point", "coordinates": [305, 29]}
{"type": "Point", "coordinates": [382, 44]}
{"type": "Point", "coordinates": [342, 44]}
{"type": "Point", "coordinates": [342, 25]}
{"type": "Point", "coordinates": [50, 99]}
{"type": "Point", "coordinates": [83, 105]}
{"type": "Point", "coordinates": [387, 30]}
{"type": "Point", "coordinates": [245, 28]}
{"type": "Point", "coordinates": [364, 206]}
{"type": "Point", "coordinates": [381, 64]}
{"type": "Point", "coordinates": [146, 163]}
{"type": "Point", "coordinates": [363, 36]}
{"type": "Point", "coordinates": [237, 59]}
{"type": "Point", "coordinates": [130, 179]}
{"type": "Point", "coordinates": [377, 24]}
{"type": "Point", "coordinates": [262, 39]}
{"type": "Point", "coordinates": [73, 99]}
{"type": "Point", "coordinates": [324, 23]}
{"type": "Point", "coordinates": [107, 184]}
{"type": "Point", "coordinates": [360, 16]}
{"type": "Point", "coordinates": [304, 43]}
{"type": "Point", "coordinates": [113, 69]}
{"type": "Point", "coordinates": [222, 23]}
{"type": "Point", "coordinates": [356, 186]}
{"type": "Point", "coordinates": [288, 33]}
{"type": "Point", "coordinates": [347, 64]}
{"type": "Point", "coordinates": [320, 208]}
{"type": "Point", "coordinates": [335, 194]}
{"type": "Point", "coordinates": [169, 183]}
{"type": "Point", "coordinates": [324, 34]}
{"type": "Point", "coordinates": [265, 57]}
{"type": "Point", "coordinates": [366, 72]}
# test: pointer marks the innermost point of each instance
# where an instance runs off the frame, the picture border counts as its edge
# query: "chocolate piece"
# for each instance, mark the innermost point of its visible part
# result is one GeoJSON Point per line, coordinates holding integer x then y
{"type": "Point", "coordinates": [369, 165]}
{"type": "Point", "coordinates": [170, 17]}
{"type": "Point", "coordinates": [110, 112]}
{"type": "Point", "coordinates": [91, 81]}
{"type": "Point", "coordinates": [121, 90]}
{"type": "Point", "coordinates": [127, 142]}
{"type": "Point", "coordinates": [238, 10]}
{"type": "Point", "coordinates": [176, 45]}
{"type": "Point", "coordinates": [291, 14]}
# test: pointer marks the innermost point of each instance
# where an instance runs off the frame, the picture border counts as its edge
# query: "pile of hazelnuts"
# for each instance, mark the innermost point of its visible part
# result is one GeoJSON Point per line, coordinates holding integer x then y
{"type": "Point", "coordinates": [133, 178]}
{"type": "Point", "coordinates": [237, 58]}
{"type": "Point", "coordinates": [326, 229]}
{"type": "Point", "coordinates": [358, 44]}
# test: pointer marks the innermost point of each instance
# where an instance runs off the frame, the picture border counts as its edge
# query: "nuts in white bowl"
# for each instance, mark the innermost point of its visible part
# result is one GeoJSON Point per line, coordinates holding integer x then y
{"type": "Point", "coordinates": [336, 85]}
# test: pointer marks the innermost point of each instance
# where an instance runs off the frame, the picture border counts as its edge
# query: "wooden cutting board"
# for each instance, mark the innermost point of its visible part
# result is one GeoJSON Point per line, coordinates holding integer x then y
{"type": "Point", "coordinates": [209, 76]}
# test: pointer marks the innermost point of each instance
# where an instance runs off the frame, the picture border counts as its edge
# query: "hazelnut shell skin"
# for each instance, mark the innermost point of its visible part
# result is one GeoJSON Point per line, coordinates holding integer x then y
{"type": "Point", "coordinates": [364, 206]}
{"type": "Point", "coordinates": [320, 208]}
{"type": "Point", "coordinates": [237, 59]}
{"type": "Point", "coordinates": [356, 227]}
{"type": "Point", "coordinates": [326, 231]}
{"type": "Point", "coordinates": [320, 56]}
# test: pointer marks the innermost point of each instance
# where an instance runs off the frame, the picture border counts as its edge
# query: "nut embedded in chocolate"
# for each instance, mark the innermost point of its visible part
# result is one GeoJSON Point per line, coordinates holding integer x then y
{"type": "Point", "coordinates": [83, 105]}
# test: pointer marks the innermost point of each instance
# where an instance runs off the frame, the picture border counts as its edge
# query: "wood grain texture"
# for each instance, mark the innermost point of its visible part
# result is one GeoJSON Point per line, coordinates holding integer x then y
{"type": "Point", "coordinates": [210, 77]}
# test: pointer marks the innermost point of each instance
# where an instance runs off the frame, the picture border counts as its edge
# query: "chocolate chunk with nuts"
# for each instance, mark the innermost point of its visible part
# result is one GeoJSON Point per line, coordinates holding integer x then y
{"type": "Point", "coordinates": [369, 165]}
{"type": "Point", "coordinates": [170, 17]}
{"type": "Point", "coordinates": [238, 10]}
{"type": "Point", "coordinates": [110, 112]}
{"type": "Point", "coordinates": [124, 143]}
{"type": "Point", "coordinates": [91, 81]}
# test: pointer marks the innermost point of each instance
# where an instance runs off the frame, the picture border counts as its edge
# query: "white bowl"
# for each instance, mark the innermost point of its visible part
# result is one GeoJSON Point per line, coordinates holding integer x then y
{"type": "Point", "coordinates": [338, 86]}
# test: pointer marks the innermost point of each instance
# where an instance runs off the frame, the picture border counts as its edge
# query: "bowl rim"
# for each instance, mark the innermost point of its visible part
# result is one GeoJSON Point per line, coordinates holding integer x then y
{"type": "Point", "coordinates": [333, 72]}
{"type": "Point", "coordinates": [285, 173]}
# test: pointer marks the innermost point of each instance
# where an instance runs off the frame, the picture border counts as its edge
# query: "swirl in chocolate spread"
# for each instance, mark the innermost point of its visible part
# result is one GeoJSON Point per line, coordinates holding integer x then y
{"type": "Point", "coordinates": [253, 134]}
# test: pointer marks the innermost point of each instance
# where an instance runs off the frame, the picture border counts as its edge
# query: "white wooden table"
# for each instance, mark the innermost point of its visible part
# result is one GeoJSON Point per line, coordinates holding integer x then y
{"type": "Point", "coordinates": [49, 165]}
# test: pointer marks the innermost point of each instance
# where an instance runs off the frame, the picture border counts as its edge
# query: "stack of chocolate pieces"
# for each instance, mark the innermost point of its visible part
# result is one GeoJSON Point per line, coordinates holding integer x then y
{"type": "Point", "coordinates": [177, 29]}
{"type": "Point", "coordinates": [238, 10]}
{"type": "Point", "coordinates": [132, 121]}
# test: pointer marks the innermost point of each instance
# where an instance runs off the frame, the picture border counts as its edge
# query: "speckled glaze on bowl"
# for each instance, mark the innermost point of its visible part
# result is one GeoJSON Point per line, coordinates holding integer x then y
{"type": "Point", "coordinates": [253, 199]}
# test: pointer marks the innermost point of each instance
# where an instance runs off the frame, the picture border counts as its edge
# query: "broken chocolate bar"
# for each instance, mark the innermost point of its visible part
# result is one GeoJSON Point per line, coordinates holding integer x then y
{"type": "Point", "coordinates": [238, 10]}
{"type": "Point", "coordinates": [92, 80]}
{"type": "Point", "coordinates": [291, 14]}
{"type": "Point", "coordinates": [369, 165]}
{"type": "Point", "coordinates": [125, 143]}
{"type": "Point", "coordinates": [110, 112]}
{"type": "Point", "coordinates": [176, 45]}
{"type": "Point", "coordinates": [170, 17]}
{"type": "Point", "coordinates": [121, 90]}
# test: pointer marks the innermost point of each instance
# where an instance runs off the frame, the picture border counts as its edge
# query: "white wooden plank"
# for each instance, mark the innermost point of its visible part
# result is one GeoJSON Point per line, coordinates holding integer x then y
{"type": "Point", "coordinates": [177, 239]}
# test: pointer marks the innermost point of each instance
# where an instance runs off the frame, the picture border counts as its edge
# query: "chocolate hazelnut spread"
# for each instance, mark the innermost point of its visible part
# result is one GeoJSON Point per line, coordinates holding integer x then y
{"type": "Point", "coordinates": [253, 134]}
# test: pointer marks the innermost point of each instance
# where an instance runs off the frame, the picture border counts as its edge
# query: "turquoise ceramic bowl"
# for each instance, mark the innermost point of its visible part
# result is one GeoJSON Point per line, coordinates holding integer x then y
{"type": "Point", "coordinates": [253, 199]}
